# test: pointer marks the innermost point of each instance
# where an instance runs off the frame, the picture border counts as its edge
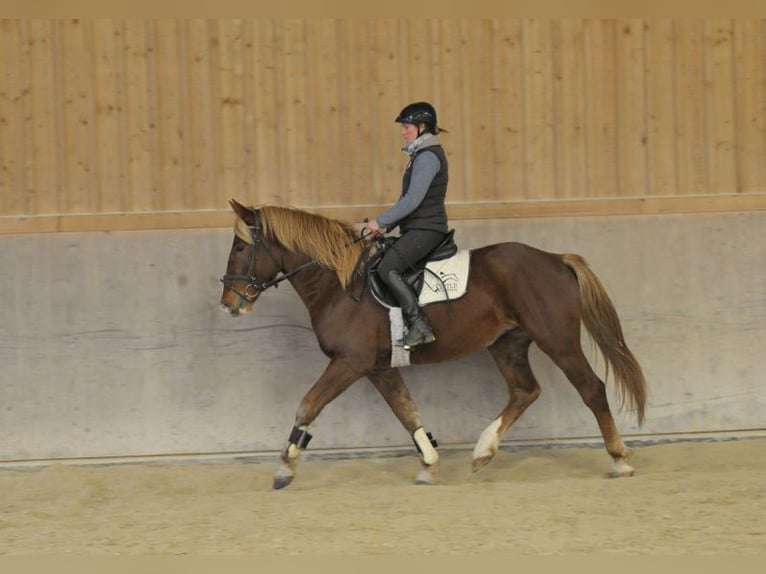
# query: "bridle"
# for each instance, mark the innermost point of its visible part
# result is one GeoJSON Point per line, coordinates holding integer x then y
{"type": "Point", "coordinates": [253, 288]}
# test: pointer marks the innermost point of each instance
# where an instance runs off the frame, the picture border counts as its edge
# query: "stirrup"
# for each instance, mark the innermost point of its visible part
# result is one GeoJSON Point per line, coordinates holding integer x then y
{"type": "Point", "coordinates": [416, 336]}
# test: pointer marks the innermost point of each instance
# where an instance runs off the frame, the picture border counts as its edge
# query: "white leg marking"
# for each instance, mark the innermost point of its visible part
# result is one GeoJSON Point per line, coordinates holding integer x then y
{"type": "Point", "coordinates": [430, 456]}
{"type": "Point", "coordinates": [488, 441]}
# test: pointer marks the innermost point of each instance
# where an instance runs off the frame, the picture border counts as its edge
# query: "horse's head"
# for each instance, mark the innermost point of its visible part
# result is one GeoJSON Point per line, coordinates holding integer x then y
{"type": "Point", "coordinates": [252, 265]}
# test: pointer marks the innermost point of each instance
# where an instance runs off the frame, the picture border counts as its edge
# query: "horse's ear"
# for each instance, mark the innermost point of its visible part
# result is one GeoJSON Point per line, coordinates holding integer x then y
{"type": "Point", "coordinates": [244, 212]}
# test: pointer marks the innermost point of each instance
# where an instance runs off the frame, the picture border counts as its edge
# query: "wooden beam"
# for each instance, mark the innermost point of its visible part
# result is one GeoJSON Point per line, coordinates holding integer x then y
{"type": "Point", "coordinates": [222, 218]}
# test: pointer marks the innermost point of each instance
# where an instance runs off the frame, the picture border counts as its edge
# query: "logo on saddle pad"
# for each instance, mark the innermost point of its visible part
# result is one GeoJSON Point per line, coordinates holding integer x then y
{"type": "Point", "coordinates": [446, 279]}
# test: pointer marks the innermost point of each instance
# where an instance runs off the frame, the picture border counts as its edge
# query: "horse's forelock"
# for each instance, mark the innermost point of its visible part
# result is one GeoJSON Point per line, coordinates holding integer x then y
{"type": "Point", "coordinates": [242, 230]}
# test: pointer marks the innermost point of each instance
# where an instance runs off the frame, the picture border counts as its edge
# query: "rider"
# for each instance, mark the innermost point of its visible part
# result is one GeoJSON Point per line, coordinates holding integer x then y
{"type": "Point", "coordinates": [419, 213]}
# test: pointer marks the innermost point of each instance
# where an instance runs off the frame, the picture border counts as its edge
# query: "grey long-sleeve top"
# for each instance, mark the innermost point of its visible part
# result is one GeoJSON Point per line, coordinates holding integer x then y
{"type": "Point", "coordinates": [424, 168]}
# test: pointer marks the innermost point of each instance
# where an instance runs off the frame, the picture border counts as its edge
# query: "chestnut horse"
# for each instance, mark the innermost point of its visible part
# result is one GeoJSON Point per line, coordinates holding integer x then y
{"type": "Point", "coordinates": [516, 294]}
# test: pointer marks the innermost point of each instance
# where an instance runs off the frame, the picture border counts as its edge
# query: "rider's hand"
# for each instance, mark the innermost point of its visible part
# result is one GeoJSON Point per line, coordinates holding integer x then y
{"type": "Point", "coordinates": [374, 229]}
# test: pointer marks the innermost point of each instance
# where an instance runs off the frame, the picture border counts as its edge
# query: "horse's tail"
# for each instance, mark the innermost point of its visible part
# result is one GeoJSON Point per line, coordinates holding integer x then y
{"type": "Point", "coordinates": [600, 319]}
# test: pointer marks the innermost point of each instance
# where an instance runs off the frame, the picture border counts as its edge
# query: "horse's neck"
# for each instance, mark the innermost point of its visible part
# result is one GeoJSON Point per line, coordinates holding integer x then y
{"type": "Point", "coordinates": [316, 285]}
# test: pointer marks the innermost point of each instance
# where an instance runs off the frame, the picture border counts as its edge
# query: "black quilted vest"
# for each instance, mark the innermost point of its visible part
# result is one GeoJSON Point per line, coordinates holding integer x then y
{"type": "Point", "coordinates": [431, 213]}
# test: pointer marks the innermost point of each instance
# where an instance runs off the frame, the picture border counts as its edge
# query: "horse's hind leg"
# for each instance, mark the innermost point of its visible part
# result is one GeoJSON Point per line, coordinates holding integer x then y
{"type": "Point", "coordinates": [391, 385]}
{"type": "Point", "coordinates": [593, 393]}
{"type": "Point", "coordinates": [511, 354]}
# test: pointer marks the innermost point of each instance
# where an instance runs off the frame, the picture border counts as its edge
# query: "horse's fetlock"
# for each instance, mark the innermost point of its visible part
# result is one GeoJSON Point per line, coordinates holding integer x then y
{"type": "Point", "coordinates": [297, 442]}
{"type": "Point", "coordinates": [428, 473]}
{"type": "Point", "coordinates": [300, 436]}
{"type": "Point", "coordinates": [426, 445]}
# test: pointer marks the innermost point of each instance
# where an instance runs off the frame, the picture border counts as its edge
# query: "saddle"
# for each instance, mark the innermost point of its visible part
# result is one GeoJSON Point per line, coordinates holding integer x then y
{"type": "Point", "coordinates": [414, 276]}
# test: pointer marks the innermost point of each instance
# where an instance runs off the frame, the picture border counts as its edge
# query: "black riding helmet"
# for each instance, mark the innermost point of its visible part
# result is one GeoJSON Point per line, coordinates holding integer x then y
{"type": "Point", "coordinates": [419, 113]}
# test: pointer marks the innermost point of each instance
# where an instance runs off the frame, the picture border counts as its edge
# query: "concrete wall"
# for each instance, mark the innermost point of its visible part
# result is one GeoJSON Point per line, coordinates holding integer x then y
{"type": "Point", "coordinates": [112, 343]}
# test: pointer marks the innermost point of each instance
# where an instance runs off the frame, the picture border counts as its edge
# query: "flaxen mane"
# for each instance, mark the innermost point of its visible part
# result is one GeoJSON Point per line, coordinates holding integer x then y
{"type": "Point", "coordinates": [330, 242]}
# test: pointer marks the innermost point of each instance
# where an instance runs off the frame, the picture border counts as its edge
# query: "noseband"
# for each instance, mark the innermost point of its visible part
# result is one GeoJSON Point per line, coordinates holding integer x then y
{"type": "Point", "coordinates": [253, 288]}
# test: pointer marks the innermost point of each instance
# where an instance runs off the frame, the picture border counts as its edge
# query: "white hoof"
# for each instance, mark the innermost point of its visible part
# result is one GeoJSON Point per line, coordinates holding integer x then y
{"type": "Point", "coordinates": [425, 476]}
{"type": "Point", "coordinates": [621, 468]}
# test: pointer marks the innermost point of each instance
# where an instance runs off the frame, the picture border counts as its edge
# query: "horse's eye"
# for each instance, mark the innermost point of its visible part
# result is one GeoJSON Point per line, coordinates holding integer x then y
{"type": "Point", "coordinates": [239, 247]}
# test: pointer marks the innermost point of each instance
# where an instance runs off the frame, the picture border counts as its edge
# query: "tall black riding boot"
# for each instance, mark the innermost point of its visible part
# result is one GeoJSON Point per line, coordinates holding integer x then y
{"type": "Point", "coordinates": [418, 330]}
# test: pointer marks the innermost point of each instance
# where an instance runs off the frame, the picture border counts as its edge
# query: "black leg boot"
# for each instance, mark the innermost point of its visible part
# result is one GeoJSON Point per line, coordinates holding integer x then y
{"type": "Point", "coordinates": [418, 330]}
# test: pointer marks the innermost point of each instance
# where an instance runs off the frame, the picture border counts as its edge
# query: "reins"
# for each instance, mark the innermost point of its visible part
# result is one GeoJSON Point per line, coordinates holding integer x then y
{"type": "Point", "coordinates": [362, 263]}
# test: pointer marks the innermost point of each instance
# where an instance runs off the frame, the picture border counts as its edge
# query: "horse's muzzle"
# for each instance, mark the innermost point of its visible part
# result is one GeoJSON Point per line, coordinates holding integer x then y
{"type": "Point", "coordinates": [227, 308]}
{"type": "Point", "coordinates": [234, 310]}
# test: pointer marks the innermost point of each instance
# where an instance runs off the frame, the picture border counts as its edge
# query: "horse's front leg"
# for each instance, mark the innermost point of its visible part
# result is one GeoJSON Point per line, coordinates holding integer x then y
{"type": "Point", "coordinates": [391, 385]}
{"type": "Point", "coordinates": [337, 377]}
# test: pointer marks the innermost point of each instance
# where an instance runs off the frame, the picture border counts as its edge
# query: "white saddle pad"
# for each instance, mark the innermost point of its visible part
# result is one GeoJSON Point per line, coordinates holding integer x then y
{"type": "Point", "coordinates": [446, 279]}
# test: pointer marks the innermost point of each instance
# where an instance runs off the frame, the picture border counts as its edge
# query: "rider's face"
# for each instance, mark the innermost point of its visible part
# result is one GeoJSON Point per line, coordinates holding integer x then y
{"type": "Point", "coordinates": [409, 132]}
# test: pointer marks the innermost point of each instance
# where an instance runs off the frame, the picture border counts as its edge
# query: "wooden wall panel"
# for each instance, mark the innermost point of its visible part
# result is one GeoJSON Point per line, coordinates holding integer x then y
{"type": "Point", "coordinates": [690, 111]}
{"type": "Point", "coordinates": [357, 108]}
{"type": "Point", "coordinates": [386, 87]}
{"type": "Point", "coordinates": [507, 121]}
{"type": "Point", "coordinates": [661, 151]}
{"type": "Point", "coordinates": [414, 48]}
{"type": "Point", "coordinates": [293, 112]}
{"type": "Point", "coordinates": [266, 129]}
{"type": "Point", "coordinates": [482, 183]}
{"type": "Point", "coordinates": [173, 171]}
{"type": "Point", "coordinates": [76, 106]}
{"type": "Point", "coordinates": [571, 109]}
{"type": "Point", "coordinates": [454, 109]}
{"type": "Point", "coordinates": [43, 184]}
{"type": "Point", "coordinates": [325, 117]}
{"type": "Point", "coordinates": [539, 128]}
{"type": "Point", "coordinates": [750, 91]}
{"type": "Point", "coordinates": [601, 93]}
{"type": "Point", "coordinates": [140, 116]}
{"type": "Point", "coordinates": [12, 129]}
{"type": "Point", "coordinates": [232, 120]}
{"type": "Point", "coordinates": [137, 123]}
{"type": "Point", "coordinates": [109, 98]}
{"type": "Point", "coordinates": [631, 136]}
{"type": "Point", "coordinates": [720, 86]}
{"type": "Point", "coordinates": [204, 107]}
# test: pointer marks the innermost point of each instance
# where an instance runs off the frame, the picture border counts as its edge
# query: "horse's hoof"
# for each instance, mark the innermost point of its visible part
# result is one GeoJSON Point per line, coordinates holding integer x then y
{"type": "Point", "coordinates": [425, 477]}
{"type": "Point", "coordinates": [615, 474]}
{"type": "Point", "coordinates": [621, 469]}
{"type": "Point", "coordinates": [282, 481]}
{"type": "Point", "coordinates": [481, 462]}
